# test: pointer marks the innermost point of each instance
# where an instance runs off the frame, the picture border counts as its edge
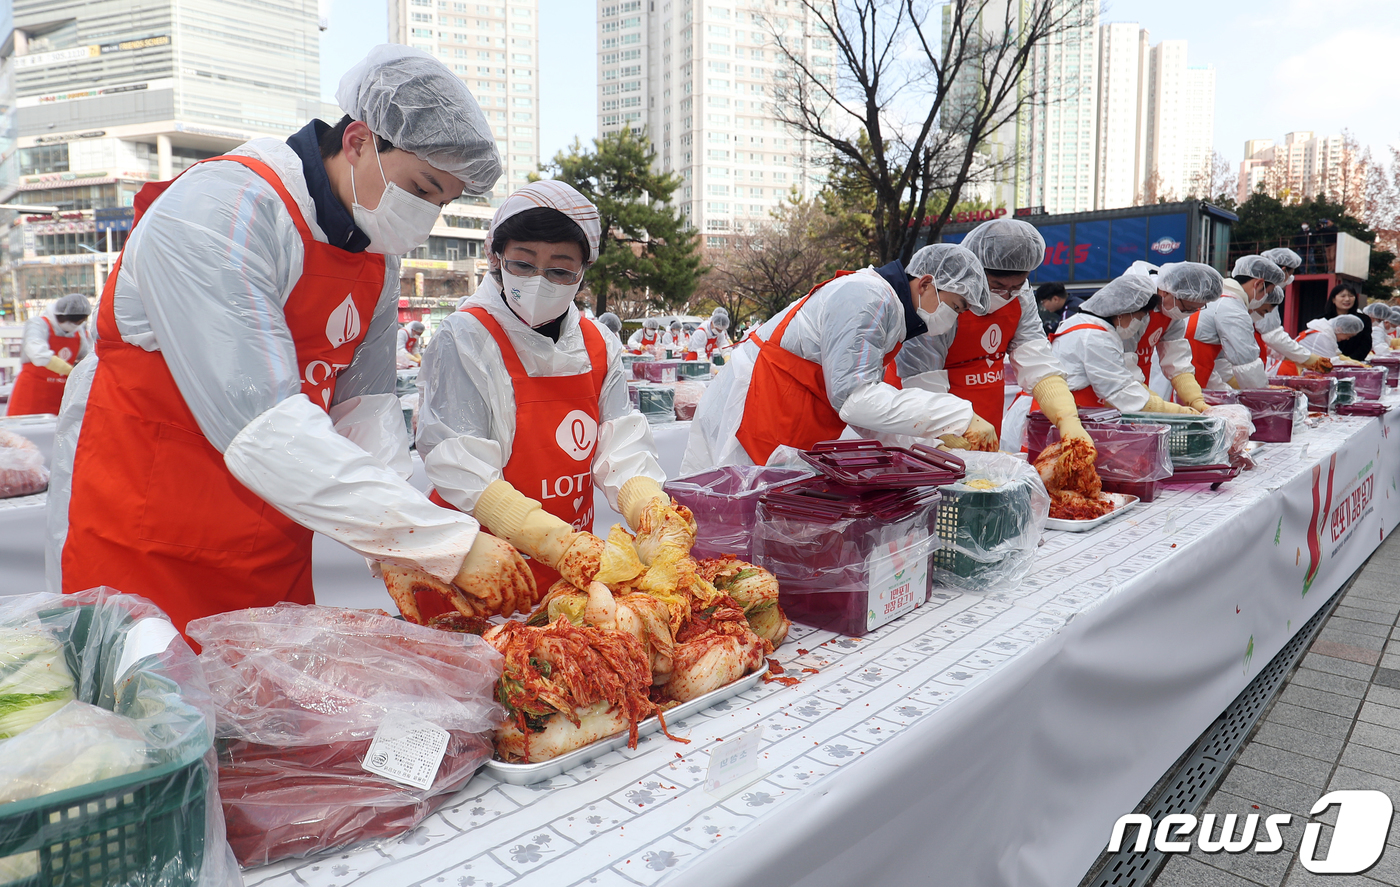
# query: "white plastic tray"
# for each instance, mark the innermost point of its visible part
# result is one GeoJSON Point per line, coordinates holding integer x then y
{"type": "Point", "coordinates": [1121, 503]}
{"type": "Point", "coordinates": [527, 774]}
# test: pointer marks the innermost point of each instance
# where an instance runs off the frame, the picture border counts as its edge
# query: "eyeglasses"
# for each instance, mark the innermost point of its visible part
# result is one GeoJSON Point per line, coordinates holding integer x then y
{"type": "Point", "coordinates": [561, 276]}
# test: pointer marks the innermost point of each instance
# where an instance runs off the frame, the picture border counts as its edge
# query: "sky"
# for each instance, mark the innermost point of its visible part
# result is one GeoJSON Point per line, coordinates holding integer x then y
{"type": "Point", "coordinates": [1280, 65]}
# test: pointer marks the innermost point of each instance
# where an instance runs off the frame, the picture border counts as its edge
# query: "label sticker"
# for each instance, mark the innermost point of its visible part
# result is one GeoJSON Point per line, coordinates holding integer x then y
{"type": "Point", "coordinates": [897, 580]}
{"type": "Point", "coordinates": [733, 760]}
{"type": "Point", "coordinates": [407, 750]}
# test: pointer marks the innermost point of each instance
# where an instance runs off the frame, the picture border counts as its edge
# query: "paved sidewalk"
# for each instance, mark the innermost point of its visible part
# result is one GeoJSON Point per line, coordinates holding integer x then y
{"type": "Point", "coordinates": [1336, 725]}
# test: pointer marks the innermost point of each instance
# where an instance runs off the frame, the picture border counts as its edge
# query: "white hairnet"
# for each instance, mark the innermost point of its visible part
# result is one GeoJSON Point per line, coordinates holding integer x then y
{"type": "Point", "coordinates": [553, 195]}
{"type": "Point", "coordinates": [73, 303]}
{"type": "Point", "coordinates": [1283, 257]}
{"type": "Point", "coordinates": [956, 269]}
{"type": "Point", "coordinates": [676, 325]}
{"type": "Point", "coordinates": [1192, 281]}
{"type": "Point", "coordinates": [1377, 311]}
{"type": "Point", "coordinates": [1347, 324]}
{"type": "Point", "coordinates": [1121, 296]}
{"type": "Point", "coordinates": [651, 323]}
{"type": "Point", "coordinates": [416, 327]}
{"type": "Point", "coordinates": [611, 321]}
{"type": "Point", "coordinates": [1141, 267]}
{"type": "Point", "coordinates": [720, 311]}
{"type": "Point", "coordinates": [1275, 296]}
{"type": "Point", "coordinates": [1394, 317]}
{"type": "Point", "coordinates": [1259, 268]}
{"type": "Point", "coordinates": [1007, 245]}
{"type": "Point", "coordinates": [719, 321]}
{"type": "Point", "coordinates": [410, 98]}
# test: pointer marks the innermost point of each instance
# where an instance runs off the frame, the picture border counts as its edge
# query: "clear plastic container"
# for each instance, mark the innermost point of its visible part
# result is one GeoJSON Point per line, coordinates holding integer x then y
{"type": "Point", "coordinates": [1274, 412]}
{"type": "Point", "coordinates": [659, 372]}
{"type": "Point", "coordinates": [847, 561]}
{"type": "Point", "coordinates": [1370, 382]}
{"type": "Point", "coordinates": [1126, 453]}
{"type": "Point", "coordinates": [1391, 365]}
{"type": "Point", "coordinates": [1193, 441]}
{"type": "Point", "coordinates": [725, 502]}
{"type": "Point", "coordinates": [1321, 390]}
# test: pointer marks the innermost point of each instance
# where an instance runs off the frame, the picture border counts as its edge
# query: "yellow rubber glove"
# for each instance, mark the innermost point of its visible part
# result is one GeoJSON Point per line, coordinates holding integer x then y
{"type": "Point", "coordinates": [493, 570]}
{"type": "Point", "coordinates": [1189, 390]}
{"type": "Point", "coordinates": [416, 358]}
{"type": "Point", "coordinates": [981, 435]}
{"type": "Point", "coordinates": [58, 365]}
{"type": "Point", "coordinates": [524, 523]}
{"type": "Point", "coordinates": [1318, 364]}
{"type": "Point", "coordinates": [1155, 404]}
{"type": "Point", "coordinates": [954, 442]}
{"type": "Point", "coordinates": [1057, 403]}
{"type": "Point", "coordinates": [1395, 344]}
{"type": "Point", "coordinates": [632, 499]}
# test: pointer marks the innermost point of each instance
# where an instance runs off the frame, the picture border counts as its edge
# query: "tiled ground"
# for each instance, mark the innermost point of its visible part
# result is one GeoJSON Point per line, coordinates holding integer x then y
{"type": "Point", "coordinates": [1336, 725]}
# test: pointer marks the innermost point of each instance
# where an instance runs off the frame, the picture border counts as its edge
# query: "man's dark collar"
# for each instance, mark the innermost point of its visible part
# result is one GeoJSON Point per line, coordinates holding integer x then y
{"type": "Point", "coordinates": [894, 275]}
{"type": "Point", "coordinates": [331, 215]}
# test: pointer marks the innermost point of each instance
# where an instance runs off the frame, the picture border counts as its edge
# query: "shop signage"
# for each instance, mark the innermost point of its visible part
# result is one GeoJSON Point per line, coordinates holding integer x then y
{"type": "Point", "coordinates": [92, 51]}
{"type": "Point", "coordinates": [34, 101]}
{"type": "Point", "coordinates": [70, 137]}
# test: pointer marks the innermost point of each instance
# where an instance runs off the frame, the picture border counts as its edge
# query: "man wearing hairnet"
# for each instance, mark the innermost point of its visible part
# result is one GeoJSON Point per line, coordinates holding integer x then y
{"type": "Point", "coordinates": [525, 407]}
{"type": "Point", "coordinates": [709, 336]}
{"type": "Point", "coordinates": [1092, 346]}
{"type": "Point", "coordinates": [613, 324]}
{"type": "Point", "coordinates": [408, 352]}
{"type": "Point", "coordinates": [820, 365]}
{"type": "Point", "coordinates": [675, 337]}
{"type": "Point", "coordinates": [1223, 348]}
{"type": "Point", "coordinates": [648, 337]}
{"type": "Point", "coordinates": [1322, 337]}
{"type": "Point", "coordinates": [1183, 288]}
{"type": "Point", "coordinates": [1274, 341]}
{"type": "Point", "coordinates": [971, 366]}
{"type": "Point", "coordinates": [243, 395]}
{"type": "Point", "coordinates": [53, 341]}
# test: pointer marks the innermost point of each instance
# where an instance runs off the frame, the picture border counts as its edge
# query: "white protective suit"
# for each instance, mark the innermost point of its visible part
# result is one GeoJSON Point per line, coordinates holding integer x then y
{"type": "Point", "coordinates": [1281, 345]}
{"type": "Point", "coordinates": [1322, 338]}
{"type": "Point", "coordinates": [220, 326]}
{"type": "Point", "coordinates": [703, 333]}
{"type": "Point", "coordinates": [402, 356]}
{"type": "Point", "coordinates": [1190, 281]}
{"type": "Point", "coordinates": [1094, 358]}
{"type": "Point", "coordinates": [35, 348]}
{"type": "Point", "coordinates": [847, 326]}
{"type": "Point", "coordinates": [1227, 322]}
{"type": "Point", "coordinates": [466, 426]}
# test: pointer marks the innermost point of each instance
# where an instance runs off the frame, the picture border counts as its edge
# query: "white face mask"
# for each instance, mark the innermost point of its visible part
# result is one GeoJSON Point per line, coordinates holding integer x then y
{"type": "Point", "coordinates": [1261, 301]}
{"type": "Point", "coordinates": [400, 223]}
{"type": "Point", "coordinates": [68, 328]}
{"type": "Point", "coordinates": [1132, 332]}
{"type": "Point", "coordinates": [939, 321]}
{"type": "Point", "coordinates": [999, 301]}
{"type": "Point", "coordinates": [535, 300]}
{"type": "Point", "coordinates": [1175, 312]}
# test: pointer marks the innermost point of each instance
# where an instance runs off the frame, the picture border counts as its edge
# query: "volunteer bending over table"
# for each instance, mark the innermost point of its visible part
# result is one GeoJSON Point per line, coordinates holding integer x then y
{"type": "Point", "coordinates": [1323, 337]}
{"type": "Point", "coordinates": [971, 363]}
{"type": "Point", "coordinates": [1223, 348]}
{"type": "Point", "coordinates": [709, 336]}
{"type": "Point", "coordinates": [1092, 345]}
{"type": "Point", "coordinates": [1380, 314]}
{"type": "Point", "coordinates": [648, 337]}
{"type": "Point", "coordinates": [1183, 288]}
{"type": "Point", "coordinates": [242, 395]}
{"type": "Point", "coordinates": [675, 337]}
{"type": "Point", "coordinates": [53, 342]}
{"type": "Point", "coordinates": [1275, 345]}
{"type": "Point", "coordinates": [524, 400]}
{"type": "Point", "coordinates": [820, 364]}
{"type": "Point", "coordinates": [409, 351]}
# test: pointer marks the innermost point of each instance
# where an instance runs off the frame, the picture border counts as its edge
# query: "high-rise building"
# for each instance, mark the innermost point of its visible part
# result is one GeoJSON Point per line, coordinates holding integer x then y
{"type": "Point", "coordinates": [101, 96]}
{"type": "Point", "coordinates": [1064, 117]}
{"type": "Point", "coordinates": [1304, 166]}
{"type": "Point", "coordinates": [698, 78]}
{"type": "Point", "coordinates": [1122, 97]}
{"type": "Point", "coordinates": [1181, 121]}
{"type": "Point", "coordinates": [494, 47]}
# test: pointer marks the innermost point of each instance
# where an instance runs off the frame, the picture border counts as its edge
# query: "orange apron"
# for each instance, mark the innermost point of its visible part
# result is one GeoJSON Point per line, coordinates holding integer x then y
{"type": "Point", "coordinates": [711, 339]}
{"type": "Point", "coordinates": [39, 389]}
{"type": "Point", "coordinates": [977, 358]}
{"type": "Point", "coordinates": [1203, 354]}
{"type": "Point", "coordinates": [1157, 324]}
{"type": "Point", "coordinates": [649, 338]}
{"type": "Point", "coordinates": [1288, 367]}
{"type": "Point", "coordinates": [411, 344]}
{"type": "Point", "coordinates": [786, 402]}
{"type": "Point", "coordinates": [551, 412]}
{"type": "Point", "coordinates": [153, 510]}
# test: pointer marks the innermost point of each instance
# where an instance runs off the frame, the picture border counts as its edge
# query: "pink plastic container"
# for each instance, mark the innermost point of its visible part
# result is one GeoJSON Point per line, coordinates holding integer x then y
{"type": "Point", "coordinates": [1321, 390]}
{"type": "Point", "coordinates": [1216, 398]}
{"type": "Point", "coordinates": [846, 561]}
{"type": "Point", "coordinates": [1272, 411]}
{"type": "Point", "coordinates": [1127, 454]}
{"type": "Point", "coordinates": [869, 465]}
{"type": "Point", "coordinates": [659, 372]}
{"type": "Point", "coordinates": [1392, 369]}
{"type": "Point", "coordinates": [724, 501]}
{"type": "Point", "coordinates": [1370, 382]}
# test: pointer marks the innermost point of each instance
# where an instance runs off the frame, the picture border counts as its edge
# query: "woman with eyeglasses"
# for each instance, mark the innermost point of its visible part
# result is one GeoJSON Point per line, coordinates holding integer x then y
{"type": "Point", "coordinates": [524, 399]}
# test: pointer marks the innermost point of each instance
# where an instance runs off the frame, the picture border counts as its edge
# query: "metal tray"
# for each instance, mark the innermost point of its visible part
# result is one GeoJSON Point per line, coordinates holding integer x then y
{"type": "Point", "coordinates": [527, 774]}
{"type": "Point", "coordinates": [1121, 502]}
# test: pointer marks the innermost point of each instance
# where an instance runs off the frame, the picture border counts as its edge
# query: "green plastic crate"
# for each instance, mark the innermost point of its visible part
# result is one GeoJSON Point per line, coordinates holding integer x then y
{"type": "Point", "coordinates": [1346, 391]}
{"type": "Point", "coordinates": [1193, 440]}
{"type": "Point", "coordinates": [693, 369]}
{"type": "Point", "coordinates": [978, 519]}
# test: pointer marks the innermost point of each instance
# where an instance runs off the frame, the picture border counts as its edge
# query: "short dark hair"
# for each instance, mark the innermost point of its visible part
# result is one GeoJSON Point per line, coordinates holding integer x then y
{"type": "Point", "coordinates": [539, 223]}
{"type": "Point", "coordinates": [1051, 291]}
{"type": "Point", "coordinates": [71, 318]}
{"type": "Point", "coordinates": [1356, 306]}
{"type": "Point", "coordinates": [1242, 280]}
{"type": "Point", "coordinates": [335, 137]}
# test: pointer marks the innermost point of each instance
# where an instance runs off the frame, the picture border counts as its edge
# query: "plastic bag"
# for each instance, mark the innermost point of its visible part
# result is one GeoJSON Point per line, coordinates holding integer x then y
{"type": "Point", "coordinates": [302, 691]}
{"type": "Point", "coordinates": [1369, 381]}
{"type": "Point", "coordinates": [22, 471]}
{"type": "Point", "coordinates": [990, 523]}
{"type": "Point", "coordinates": [1241, 425]}
{"type": "Point", "coordinates": [724, 501]}
{"type": "Point", "coordinates": [143, 724]}
{"type": "Point", "coordinates": [1193, 441]}
{"type": "Point", "coordinates": [688, 396]}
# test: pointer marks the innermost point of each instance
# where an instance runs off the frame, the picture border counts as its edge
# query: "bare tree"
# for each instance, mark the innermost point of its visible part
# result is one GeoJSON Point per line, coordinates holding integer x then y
{"type": "Point", "coordinates": [780, 260]}
{"type": "Point", "coordinates": [1348, 186]}
{"type": "Point", "coordinates": [928, 98]}
{"type": "Point", "coordinates": [1153, 189]}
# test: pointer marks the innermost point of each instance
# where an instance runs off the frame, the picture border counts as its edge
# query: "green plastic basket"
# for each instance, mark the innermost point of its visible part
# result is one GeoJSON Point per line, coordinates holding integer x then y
{"type": "Point", "coordinates": [1346, 391]}
{"type": "Point", "coordinates": [693, 369]}
{"type": "Point", "coordinates": [978, 519]}
{"type": "Point", "coordinates": [1193, 440]}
